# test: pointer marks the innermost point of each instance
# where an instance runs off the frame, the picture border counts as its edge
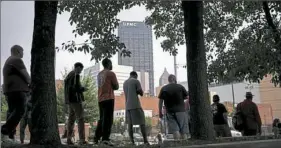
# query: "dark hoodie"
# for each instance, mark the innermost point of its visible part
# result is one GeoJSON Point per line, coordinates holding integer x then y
{"type": "Point", "coordinates": [73, 90]}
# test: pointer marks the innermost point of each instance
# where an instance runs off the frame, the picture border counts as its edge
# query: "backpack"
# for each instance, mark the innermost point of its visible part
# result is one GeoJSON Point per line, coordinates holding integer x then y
{"type": "Point", "coordinates": [238, 120]}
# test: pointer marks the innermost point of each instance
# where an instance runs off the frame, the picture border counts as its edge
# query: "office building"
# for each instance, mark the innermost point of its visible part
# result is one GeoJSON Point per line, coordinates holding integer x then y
{"type": "Point", "coordinates": [143, 77]}
{"type": "Point", "coordinates": [137, 37]}
{"type": "Point", "coordinates": [164, 78]}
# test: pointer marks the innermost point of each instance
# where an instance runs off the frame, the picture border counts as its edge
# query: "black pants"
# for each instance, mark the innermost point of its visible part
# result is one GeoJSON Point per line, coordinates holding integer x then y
{"type": "Point", "coordinates": [250, 132]}
{"type": "Point", "coordinates": [106, 109]}
{"type": "Point", "coordinates": [11, 135]}
{"type": "Point", "coordinates": [16, 109]}
{"type": "Point", "coordinates": [23, 123]}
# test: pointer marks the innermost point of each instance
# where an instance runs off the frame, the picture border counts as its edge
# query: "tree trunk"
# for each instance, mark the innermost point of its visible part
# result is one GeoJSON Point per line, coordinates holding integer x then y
{"type": "Point", "coordinates": [44, 113]}
{"type": "Point", "coordinates": [201, 119]}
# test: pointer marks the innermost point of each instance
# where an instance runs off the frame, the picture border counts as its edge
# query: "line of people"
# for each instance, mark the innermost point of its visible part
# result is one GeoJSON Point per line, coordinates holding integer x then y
{"type": "Point", "coordinates": [17, 82]}
{"type": "Point", "coordinates": [107, 84]}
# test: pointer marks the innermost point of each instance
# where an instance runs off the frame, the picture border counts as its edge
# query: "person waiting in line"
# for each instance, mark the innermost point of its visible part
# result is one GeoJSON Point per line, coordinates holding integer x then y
{"type": "Point", "coordinates": [74, 98]}
{"type": "Point", "coordinates": [134, 112]}
{"type": "Point", "coordinates": [220, 119]}
{"type": "Point", "coordinates": [252, 119]}
{"type": "Point", "coordinates": [26, 119]}
{"type": "Point", "coordinates": [16, 84]}
{"type": "Point", "coordinates": [173, 96]}
{"type": "Point", "coordinates": [276, 127]}
{"type": "Point", "coordinates": [107, 83]}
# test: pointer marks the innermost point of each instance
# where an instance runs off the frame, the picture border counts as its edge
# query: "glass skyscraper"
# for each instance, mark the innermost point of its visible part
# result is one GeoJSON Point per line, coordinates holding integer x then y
{"type": "Point", "coordinates": [137, 37]}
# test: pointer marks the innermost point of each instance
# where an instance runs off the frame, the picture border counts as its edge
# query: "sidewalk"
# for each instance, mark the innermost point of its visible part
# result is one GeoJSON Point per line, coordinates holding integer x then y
{"type": "Point", "coordinates": [276, 143]}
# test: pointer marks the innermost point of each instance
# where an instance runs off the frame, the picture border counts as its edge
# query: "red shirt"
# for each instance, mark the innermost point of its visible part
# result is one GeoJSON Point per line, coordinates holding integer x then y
{"type": "Point", "coordinates": [106, 79]}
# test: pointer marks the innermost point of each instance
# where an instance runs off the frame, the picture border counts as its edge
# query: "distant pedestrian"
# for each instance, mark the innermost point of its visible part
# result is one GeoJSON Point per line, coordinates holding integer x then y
{"type": "Point", "coordinates": [74, 98]}
{"type": "Point", "coordinates": [276, 127]}
{"type": "Point", "coordinates": [220, 119]}
{"type": "Point", "coordinates": [252, 120]}
{"type": "Point", "coordinates": [173, 96]}
{"type": "Point", "coordinates": [134, 112]}
{"type": "Point", "coordinates": [107, 83]}
{"type": "Point", "coordinates": [26, 119]}
{"type": "Point", "coordinates": [15, 86]}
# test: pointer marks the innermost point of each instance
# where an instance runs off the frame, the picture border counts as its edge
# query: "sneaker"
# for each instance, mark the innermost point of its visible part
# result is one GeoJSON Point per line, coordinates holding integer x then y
{"type": "Point", "coordinates": [107, 143]}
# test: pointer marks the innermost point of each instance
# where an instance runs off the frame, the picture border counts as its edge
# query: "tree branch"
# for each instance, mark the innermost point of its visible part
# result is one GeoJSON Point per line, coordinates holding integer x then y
{"type": "Point", "coordinates": [272, 25]}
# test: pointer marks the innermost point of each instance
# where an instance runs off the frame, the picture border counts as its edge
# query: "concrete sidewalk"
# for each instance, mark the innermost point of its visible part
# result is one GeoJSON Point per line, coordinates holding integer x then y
{"type": "Point", "coordinates": [276, 143]}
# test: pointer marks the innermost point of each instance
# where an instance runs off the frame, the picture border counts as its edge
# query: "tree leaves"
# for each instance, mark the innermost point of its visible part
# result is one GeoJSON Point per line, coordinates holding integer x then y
{"type": "Point", "coordinates": [98, 20]}
{"type": "Point", "coordinates": [253, 53]}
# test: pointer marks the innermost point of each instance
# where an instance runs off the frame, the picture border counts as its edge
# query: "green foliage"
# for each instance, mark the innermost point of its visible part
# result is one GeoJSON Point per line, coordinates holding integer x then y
{"type": "Point", "coordinates": [118, 126]}
{"type": "Point", "coordinates": [98, 20]}
{"type": "Point", "coordinates": [242, 26]}
{"type": "Point", "coordinates": [4, 108]}
{"type": "Point", "coordinates": [167, 19]}
{"type": "Point", "coordinates": [148, 125]}
{"type": "Point", "coordinates": [91, 100]}
{"type": "Point", "coordinates": [90, 104]}
{"type": "Point", "coordinates": [256, 51]}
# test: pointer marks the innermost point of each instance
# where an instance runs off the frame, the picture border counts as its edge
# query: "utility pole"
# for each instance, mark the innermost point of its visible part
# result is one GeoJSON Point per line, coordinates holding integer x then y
{"type": "Point", "coordinates": [175, 66]}
{"type": "Point", "coordinates": [233, 97]}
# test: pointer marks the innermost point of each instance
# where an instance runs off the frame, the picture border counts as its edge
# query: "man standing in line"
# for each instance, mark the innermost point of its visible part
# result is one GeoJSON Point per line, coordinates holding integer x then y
{"type": "Point", "coordinates": [74, 98]}
{"type": "Point", "coordinates": [252, 119]}
{"type": "Point", "coordinates": [26, 120]}
{"type": "Point", "coordinates": [15, 86]}
{"type": "Point", "coordinates": [173, 96]}
{"type": "Point", "coordinates": [134, 112]}
{"type": "Point", "coordinates": [107, 83]}
{"type": "Point", "coordinates": [220, 118]}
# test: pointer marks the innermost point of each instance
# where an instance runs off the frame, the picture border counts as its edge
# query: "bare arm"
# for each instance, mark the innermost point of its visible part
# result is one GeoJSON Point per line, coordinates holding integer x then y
{"type": "Point", "coordinates": [114, 82]}
{"type": "Point", "coordinates": [139, 89]}
{"type": "Point", "coordinates": [160, 104]}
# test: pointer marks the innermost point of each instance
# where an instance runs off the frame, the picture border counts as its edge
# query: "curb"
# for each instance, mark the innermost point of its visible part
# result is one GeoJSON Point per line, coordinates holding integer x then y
{"type": "Point", "coordinates": [230, 143]}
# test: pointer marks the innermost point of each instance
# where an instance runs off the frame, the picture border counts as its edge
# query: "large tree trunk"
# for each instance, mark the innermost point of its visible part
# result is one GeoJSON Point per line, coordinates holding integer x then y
{"type": "Point", "coordinates": [201, 119]}
{"type": "Point", "coordinates": [44, 112]}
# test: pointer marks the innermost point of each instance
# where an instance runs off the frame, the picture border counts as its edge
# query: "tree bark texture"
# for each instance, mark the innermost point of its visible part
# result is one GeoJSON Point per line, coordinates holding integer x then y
{"type": "Point", "coordinates": [201, 119]}
{"type": "Point", "coordinates": [44, 112]}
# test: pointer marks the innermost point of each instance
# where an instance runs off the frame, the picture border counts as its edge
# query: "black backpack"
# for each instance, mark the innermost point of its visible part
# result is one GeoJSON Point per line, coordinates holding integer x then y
{"type": "Point", "coordinates": [238, 119]}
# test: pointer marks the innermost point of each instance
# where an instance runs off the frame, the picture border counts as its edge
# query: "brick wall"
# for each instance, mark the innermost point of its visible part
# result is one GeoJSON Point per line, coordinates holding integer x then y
{"type": "Point", "coordinates": [265, 111]}
{"type": "Point", "coordinates": [148, 103]}
{"type": "Point", "coordinates": [61, 131]}
{"type": "Point", "coordinates": [271, 95]}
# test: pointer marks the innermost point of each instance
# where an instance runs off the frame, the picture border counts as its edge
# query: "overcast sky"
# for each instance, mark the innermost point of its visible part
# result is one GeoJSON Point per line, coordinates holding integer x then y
{"type": "Point", "coordinates": [17, 28]}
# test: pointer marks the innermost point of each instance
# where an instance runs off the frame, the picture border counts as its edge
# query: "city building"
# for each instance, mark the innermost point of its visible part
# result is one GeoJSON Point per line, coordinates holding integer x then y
{"type": "Point", "coordinates": [122, 73]}
{"type": "Point", "coordinates": [271, 95]}
{"type": "Point", "coordinates": [149, 105]}
{"type": "Point", "coordinates": [164, 78]}
{"type": "Point", "coordinates": [122, 113]}
{"type": "Point", "coordinates": [143, 77]}
{"type": "Point", "coordinates": [239, 89]}
{"type": "Point", "coordinates": [137, 36]}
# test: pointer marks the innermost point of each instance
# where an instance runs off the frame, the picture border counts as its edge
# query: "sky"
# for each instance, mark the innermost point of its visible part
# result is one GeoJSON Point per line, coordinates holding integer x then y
{"type": "Point", "coordinates": [17, 28]}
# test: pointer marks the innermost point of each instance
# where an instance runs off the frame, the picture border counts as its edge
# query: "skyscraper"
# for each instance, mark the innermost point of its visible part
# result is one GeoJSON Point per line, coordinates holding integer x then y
{"type": "Point", "coordinates": [137, 37]}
